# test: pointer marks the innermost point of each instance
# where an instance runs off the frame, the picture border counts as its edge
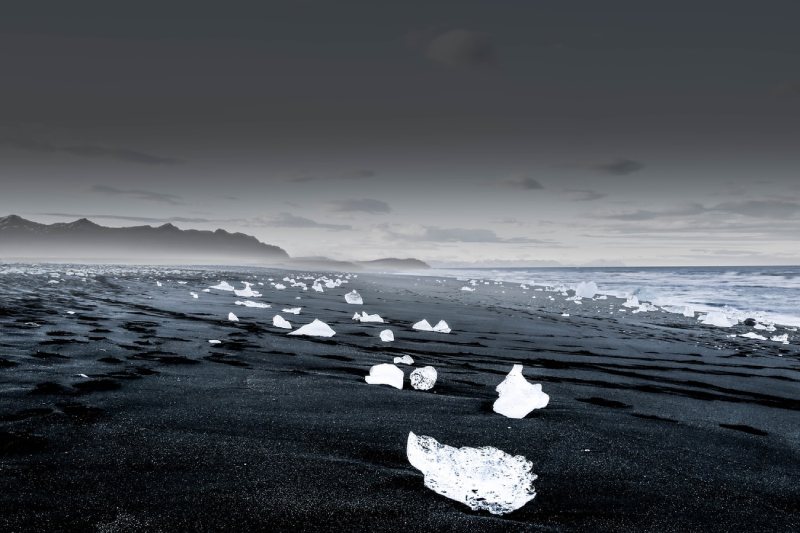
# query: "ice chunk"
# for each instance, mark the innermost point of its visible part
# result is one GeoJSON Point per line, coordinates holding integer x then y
{"type": "Point", "coordinates": [517, 396]}
{"type": "Point", "coordinates": [423, 325]}
{"type": "Point", "coordinates": [406, 360]}
{"type": "Point", "coordinates": [354, 298]}
{"type": "Point", "coordinates": [247, 292]}
{"type": "Point", "coordinates": [158, 284]}
{"type": "Point", "coordinates": [716, 318]}
{"type": "Point", "coordinates": [485, 479]}
{"type": "Point", "coordinates": [223, 286]}
{"type": "Point", "coordinates": [364, 317]}
{"type": "Point", "coordinates": [279, 322]}
{"type": "Point", "coordinates": [423, 378]}
{"type": "Point", "coordinates": [233, 318]}
{"type": "Point", "coordinates": [632, 301]}
{"type": "Point", "coordinates": [441, 327]}
{"type": "Point", "coordinates": [467, 289]}
{"type": "Point", "coordinates": [586, 289]}
{"type": "Point", "coordinates": [385, 374]}
{"type": "Point", "coordinates": [754, 336]}
{"type": "Point", "coordinates": [279, 286]}
{"type": "Point", "coordinates": [317, 328]}
{"type": "Point", "coordinates": [781, 338]}
{"type": "Point", "coordinates": [292, 310]}
{"type": "Point", "coordinates": [387, 335]}
{"type": "Point", "coordinates": [317, 287]}
{"type": "Point", "coordinates": [214, 341]}
{"type": "Point", "coordinates": [250, 303]}
{"type": "Point", "coordinates": [195, 295]}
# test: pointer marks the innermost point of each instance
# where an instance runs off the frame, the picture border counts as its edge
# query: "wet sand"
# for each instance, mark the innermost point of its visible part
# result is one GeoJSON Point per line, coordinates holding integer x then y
{"type": "Point", "coordinates": [655, 423]}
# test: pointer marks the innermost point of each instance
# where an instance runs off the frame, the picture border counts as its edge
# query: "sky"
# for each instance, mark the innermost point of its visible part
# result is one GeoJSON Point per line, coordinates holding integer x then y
{"type": "Point", "coordinates": [493, 132]}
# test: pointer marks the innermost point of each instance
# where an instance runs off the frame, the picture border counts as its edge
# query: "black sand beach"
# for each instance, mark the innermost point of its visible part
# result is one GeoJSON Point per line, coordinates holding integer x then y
{"type": "Point", "coordinates": [655, 423]}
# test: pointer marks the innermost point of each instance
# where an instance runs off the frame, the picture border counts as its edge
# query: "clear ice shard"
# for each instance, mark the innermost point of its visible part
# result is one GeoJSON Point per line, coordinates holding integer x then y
{"type": "Point", "coordinates": [317, 328]}
{"type": "Point", "coordinates": [385, 374]}
{"type": "Point", "coordinates": [517, 396]}
{"type": "Point", "coordinates": [485, 479]}
{"type": "Point", "coordinates": [353, 297]}
{"type": "Point", "coordinates": [279, 322]}
{"type": "Point", "coordinates": [423, 378]}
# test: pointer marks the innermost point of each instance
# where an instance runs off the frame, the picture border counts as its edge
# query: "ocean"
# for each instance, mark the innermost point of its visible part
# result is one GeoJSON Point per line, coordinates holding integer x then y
{"type": "Point", "coordinates": [768, 294]}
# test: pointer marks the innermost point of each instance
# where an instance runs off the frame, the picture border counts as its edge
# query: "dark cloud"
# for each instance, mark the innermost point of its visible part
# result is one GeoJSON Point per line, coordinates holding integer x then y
{"type": "Point", "coordinates": [456, 235]}
{"type": "Point", "coordinates": [90, 151]}
{"type": "Point", "coordinates": [791, 89]}
{"type": "Point", "coordinates": [462, 48]}
{"type": "Point", "coordinates": [147, 220]}
{"type": "Point", "coordinates": [581, 195]}
{"type": "Point", "coordinates": [620, 167]}
{"type": "Point", "coordinates": [523, 182]}
{"type": "Point", "coordinates": [171, 199]}
{"type": "Point", "coordinates": [772, 209]}
{"type": "Point", "coordinates": [362, 205]}
{"type": "Point", "coordinates": [288, 220]}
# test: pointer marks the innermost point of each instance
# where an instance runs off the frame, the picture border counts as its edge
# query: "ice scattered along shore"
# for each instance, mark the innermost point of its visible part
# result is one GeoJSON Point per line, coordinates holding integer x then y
{"type": "Point", "coordinates": [484, 479]}
{"type": "Point", "coordinates": [385, 374]}
{"type": "Point", "coordinates": [754, 336]}
{"type": "Point", "coordinates": [517, 396]}
{"type": "Point", "coordinates": [716, 318]}
{"type": "Point", "coordinates": [233, 318]}
{"type": "Point", "coordinates": [250, 303]}
{"type": "Point", "coordinates": [223, 286]}
{"type": "Point", "coordinates": [279, 322]}
{"type": "Point", "coordinates": [586, 289]}
{"type": "Point", "coordinates": [387, 335]}
{"type": "Point", "coordinates": [406, 360]}
{"type": "Point", "coordinates": [354, 298]}
{"type": "Point", "coordinates": [423, 378]}
{"type": "Point", "coordinates": [317, 328]}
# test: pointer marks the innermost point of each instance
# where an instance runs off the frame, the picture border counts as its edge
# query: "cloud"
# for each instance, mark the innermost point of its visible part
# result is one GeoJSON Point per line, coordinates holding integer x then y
{"type": "Point", "coordinates": [620, 167]}
{"type": "Point", "coordinates": [171, 199]}
{"type": "Point", "coordinates": [362, 205]}
{"type": "Point", "coordinates": [361, 173]}
{"type": "Point", "coordinates": [288, 220]}
{"type": "Point", "coordinates": [523, 182]}
{"type": "Point", "coordinates": [459, 48]}
{"type": "Point", "coordinates": [581, 195]}
{"type": "Point", "coordinates": [90, 151]}
{"type": "Point", "coordinates": [770, 208]}
{"type": "Point", "coordinates": [790, 89]}
{"type": "Point", "coordinates": [455, 235]}
{"type": "Point", "coordinates": [148, 220]}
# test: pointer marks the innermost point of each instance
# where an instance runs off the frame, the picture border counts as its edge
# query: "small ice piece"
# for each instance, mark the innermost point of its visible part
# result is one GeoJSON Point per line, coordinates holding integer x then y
{"type": "Point", "coordinates": [247, 292]}
{"type": "Point", "coordinates": [586, 289]}
{"type": "Point", "coordinates": [364, 317]}
{"type": "Point", "coordinates": [485, 479]}
{"type": "Point", "coordinates": [781, 338]}
{"type": "Point", "coordinates": [84, 376]}
{"type": "Point", "coordinates": [279, 286]}
{"type": "Point", "coordinates": [357, 316]}
{"type": "Point", "coordinates": [716, 318]}
{"type": "Point", "coordinates": [354, 298]}
{"type": "Point", "coordinates": [70, 312]}
{"type": "Point", "coordinates": [423, 378]}
{"type": "Point", "coordinates": [441, 327]}
{"type": "Point", "coordinates": [564, 314]}
{"type": "Point", "coordinates": [195, 295]}
{"type": "Point", "coordinates": [406, 360]}
{"type": "Point", "coordinates": [317, 287]}
{"type": "Point", "coordinates": [250, 303]}
{"type": "Point", "coordinates": [279, 322]}
{"type": "Point", "coordinates": [517, 396]}
{"type": "Point", "coordinates": [632, 301]}
{"type": "Point", "coordinates": [754, 336]}
{"type": "Point", "coordinates": [467, 289]}
{"type": "Point", "coordinates": [317, 328]}
{"type": "Point", "coordinates": [223, 286]}
{"type": "Point", "coordinates": [233, 318]}
{"type": "Point", "coordinates": [387, 335]}
{"type": "Point", "coordinates": [423, 325]}
{"type": "Point", "coordinates": [158, 284]}
{"type": "Point", "coordinates": [292, 310]}
{"type": "Point", "coordinates": [385, 374]}
{"type": "Point", "coordinates": [214, 341]}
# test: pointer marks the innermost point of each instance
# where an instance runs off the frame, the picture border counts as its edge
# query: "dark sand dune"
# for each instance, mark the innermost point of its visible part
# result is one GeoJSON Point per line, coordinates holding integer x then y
{"type": "Point", "coordinates": [655, 423]}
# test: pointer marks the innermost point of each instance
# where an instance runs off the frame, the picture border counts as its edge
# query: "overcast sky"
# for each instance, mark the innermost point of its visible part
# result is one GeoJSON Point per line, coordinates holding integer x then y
{"type": "Point", "coordinates": [652, 133]}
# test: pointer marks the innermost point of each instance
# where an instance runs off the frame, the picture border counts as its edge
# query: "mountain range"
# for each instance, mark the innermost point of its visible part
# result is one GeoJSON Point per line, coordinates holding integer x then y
{"type": "Point", "coordinates": [83, 240]}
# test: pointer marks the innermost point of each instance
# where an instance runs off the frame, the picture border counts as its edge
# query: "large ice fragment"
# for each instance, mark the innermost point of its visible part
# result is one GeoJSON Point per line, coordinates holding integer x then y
{"type": "Point", "coordinates": [223, 286]}
{"type": "Point", "coordinates": [441, 327]}
{"type": "Point", "coordinates": [406, 360]}
{"type": "Point", "coordinates": [247, 292]}
{"type": "Point", "coordinates": [385, 374]}
{"type": "Point", "coordinates": [517, 396]}
{"type": "Point", "coordinates": [423, 378]}
{"type": "Point", "coordinates": [279, 322]}
{"type": "Point", "coordinates": [423, 325]}
{"type": "Point", "coordinates": [317, 328]}
{"type": "Point", "coordinates": [387, 335]}
{"type": "Point", "coordinates": [717, 318]}
{"type": "Point", "coordinates": [586, 289]}
{"type": "Point", "coordinates": [485, 479]}
{"type": "Point", "coordinates": [233, 318]}
{"type": "Point", "coordinates": [353, 297]}
{"type": "Point", "coordinates": [364, 317]}
{"type": "Point", "coordinates": [250, 303]}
